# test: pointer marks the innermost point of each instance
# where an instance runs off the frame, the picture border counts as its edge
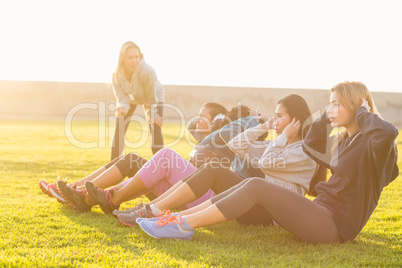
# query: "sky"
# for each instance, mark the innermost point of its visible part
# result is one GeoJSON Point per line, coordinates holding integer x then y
{"type": "Point", "coordinates": [274, 44]}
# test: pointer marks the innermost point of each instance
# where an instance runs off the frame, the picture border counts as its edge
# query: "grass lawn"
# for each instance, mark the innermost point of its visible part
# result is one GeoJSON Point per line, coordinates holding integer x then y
{"type": "Point", "coordinates": [37, 231]}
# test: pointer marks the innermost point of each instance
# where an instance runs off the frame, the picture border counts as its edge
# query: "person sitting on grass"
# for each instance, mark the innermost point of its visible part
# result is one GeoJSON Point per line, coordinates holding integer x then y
{"type": "Point", "coordinates": [156, 178]}
{"type": "Point", "coordinates": [127, 166]}
{"type": "Point", "coordinates": [363, 162]}
{"type": "Point", "coordinates": [279, 160]}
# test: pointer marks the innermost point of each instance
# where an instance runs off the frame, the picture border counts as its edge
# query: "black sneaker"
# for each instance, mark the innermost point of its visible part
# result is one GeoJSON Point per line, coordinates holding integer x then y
{"type": "Point", "coordinates": [73, 198]}
{"type": "Point", "coordinates": [130, 219]}
{"type": "Point", "coordinates": [127, 211]}
{"type": "Point", "coordinates": [101, 197]}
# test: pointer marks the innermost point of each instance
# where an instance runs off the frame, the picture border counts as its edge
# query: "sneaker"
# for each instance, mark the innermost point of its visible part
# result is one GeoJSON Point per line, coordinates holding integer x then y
{"type": "Point", "coordinates": [167, 228]}
{"type": "Point", "coordinates": [51, 190]}
{"type": "Point", "coordinates": [164, 215]}
{"type": "Point", "coordinates": [127, 211]}
{"type": "Point", "coordinates": [101, 197]}
{"type": "Point", "coordinates": [55, 192]}
{"type": "Point", "coordinates": [74, 198]}
{"type": "Point", "coordinates": [130, 219]}
{"type": "Point", "coordinates": [43, 186]}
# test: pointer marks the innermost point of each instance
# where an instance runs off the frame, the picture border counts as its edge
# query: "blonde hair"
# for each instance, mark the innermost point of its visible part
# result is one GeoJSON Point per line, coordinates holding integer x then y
{"type": "Point", "coordinates": [120, 64]}
{"type": "Point", "coordinates": [350, 94]}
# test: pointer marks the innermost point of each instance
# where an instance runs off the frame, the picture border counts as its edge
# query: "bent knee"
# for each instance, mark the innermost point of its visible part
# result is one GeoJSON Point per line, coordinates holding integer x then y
{"type": "Point", "coordinates": [214, 165]}
{"type": "Point", "coordinates": [259, 183]}
{"type": "Point", "coordinates": [165, 152]}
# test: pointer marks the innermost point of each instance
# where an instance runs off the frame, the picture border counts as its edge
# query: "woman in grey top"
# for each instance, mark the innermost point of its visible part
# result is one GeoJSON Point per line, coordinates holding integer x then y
{"type": "Point", "coordinates": [135, 83]}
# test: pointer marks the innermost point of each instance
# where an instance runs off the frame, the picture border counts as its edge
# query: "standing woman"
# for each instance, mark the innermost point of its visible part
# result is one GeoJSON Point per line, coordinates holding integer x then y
{"type": "Point", "coordinates": [135, 83]}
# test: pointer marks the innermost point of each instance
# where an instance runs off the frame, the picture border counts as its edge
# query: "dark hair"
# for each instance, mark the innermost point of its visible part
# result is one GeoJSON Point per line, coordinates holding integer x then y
{"type": "Point", "coordinates": [297, 108]}
{"type": "Point", "coordinates": [215, 108]}
{"type": "Point", "coordinates": [235, 113]}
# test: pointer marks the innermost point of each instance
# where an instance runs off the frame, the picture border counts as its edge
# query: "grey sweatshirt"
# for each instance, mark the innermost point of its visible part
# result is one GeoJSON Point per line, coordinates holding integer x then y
{"type": "Point", "coordinates": [137, 90]}
{"type": "Point", "coordinates": [277, 160]}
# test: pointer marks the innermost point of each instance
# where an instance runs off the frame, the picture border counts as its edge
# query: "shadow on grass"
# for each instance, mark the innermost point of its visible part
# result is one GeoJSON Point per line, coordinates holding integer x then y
{"type": "Point", "coordinates": [232, 244]}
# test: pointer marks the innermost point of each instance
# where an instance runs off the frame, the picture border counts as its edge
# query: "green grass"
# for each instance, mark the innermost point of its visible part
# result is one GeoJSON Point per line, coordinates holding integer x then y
{"type": "Point", "coordinates": [37, 231]}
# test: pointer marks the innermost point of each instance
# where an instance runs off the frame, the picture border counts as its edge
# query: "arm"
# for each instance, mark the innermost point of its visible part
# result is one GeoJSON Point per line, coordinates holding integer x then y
{"type": "Point", "coordinates": [214, 144]}
{"type": "Point", "coordinates": [231, 130]}
{"type": "Point", "coordinates": [122, 100]}
{"type": "Point", "coordinates": [380, 132]}
{"type": "Point", "coordinates": [276, 157]}
{"type": "Point", "coordinates": [245, 144]}
{"type": "Point", "coordinates": [192, 128]}
{"type": "Point", "coordinates": [159, 92]}
{"type": "Point", "coordinates": [317, 143]}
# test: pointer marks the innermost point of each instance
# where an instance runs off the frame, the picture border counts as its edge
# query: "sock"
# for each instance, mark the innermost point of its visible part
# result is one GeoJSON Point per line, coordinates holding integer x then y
{"type": "Point", "coordinates": [155, 210]}
{"type": "Point", "coordinates": [185, 226]}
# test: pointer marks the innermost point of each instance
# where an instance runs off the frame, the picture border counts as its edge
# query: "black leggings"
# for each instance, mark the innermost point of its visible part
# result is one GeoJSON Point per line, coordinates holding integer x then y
{"type": "Point", "coordinates": [128, 164]}
{"type": "Point", "coordinates": [118, 138]}
{"type": "Point", "coordinates": [219, 179]}
{"type": "Point", "coordinates": [302, 217]}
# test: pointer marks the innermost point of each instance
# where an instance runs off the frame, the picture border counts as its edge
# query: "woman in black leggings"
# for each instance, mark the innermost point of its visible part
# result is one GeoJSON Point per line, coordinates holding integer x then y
{"type": "Point", "coordinates": [363, 162]}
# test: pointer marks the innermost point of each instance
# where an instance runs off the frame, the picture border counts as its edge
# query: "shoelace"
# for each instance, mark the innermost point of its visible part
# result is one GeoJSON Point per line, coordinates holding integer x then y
{"type": "Point", "coordinates": [80, 191]}
{"type": "Point", "coordinates": [173, 219]}
{"type": "Point", "coordinates": [140, 205]}
{"type": "Point", "coordinates": [108, 195]}
{"type": "Point", "coordinates": [74, 186]}
{"type": "Point", "coordinates": [164, 214]}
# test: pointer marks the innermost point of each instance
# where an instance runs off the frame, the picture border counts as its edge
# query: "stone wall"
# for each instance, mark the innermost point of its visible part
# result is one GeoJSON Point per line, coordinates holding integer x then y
{"type": "Point", "coordinates": [23, 99]}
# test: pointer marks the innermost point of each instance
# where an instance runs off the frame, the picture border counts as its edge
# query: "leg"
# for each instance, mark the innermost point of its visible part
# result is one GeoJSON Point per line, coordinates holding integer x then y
{"type": "Point", "coordinates": [134, 187]}
{"type": "Point", "coordinates": [120, 132]}
{"type": "Point", "coordinates": [211, 201]}
{"type": "Point", "coordinates": [166, 165]}
{"type": "Point", "coordinates": [115, 171]}
{"type": "Point", "coordinates": [256, 216]}
{"type": "Point", "coordinates": [297, 214]}
{"type": "Point", "coordinates": [156, 138]}
{"type": "Point", "coordinates": [110, 177]}
{"type": "Point", "coordinates": [124, 166]}
{"type": "Point", "coordinates": [90, 177]}
{"type": "Point", "coordinates": [167, 193]}
{"type": "Point", "coordinates": [210, 176]}
{"type": "Point", "coordinates": [95, 174]}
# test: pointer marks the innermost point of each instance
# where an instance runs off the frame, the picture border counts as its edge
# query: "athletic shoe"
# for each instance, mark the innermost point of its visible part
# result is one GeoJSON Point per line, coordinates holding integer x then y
{"type": "Point", "coordinates": [127, 211]}
{"type": "Point", "coordinates": [51, 190]}
{"type": "Point", "coordinates": [130, 219]}
{"type": "Point", "coordinates": [74, 198]}
{"type": "Point", "coordinates": [167, 228]}
{"type": "Point", "coordinates": [101, 197]}
{"type": "Point", "coordinates": [43, 186]}
{"type": "Point", "coordinates": [164, 215]}
{"type": "Point", "coordinates": [56, 194]}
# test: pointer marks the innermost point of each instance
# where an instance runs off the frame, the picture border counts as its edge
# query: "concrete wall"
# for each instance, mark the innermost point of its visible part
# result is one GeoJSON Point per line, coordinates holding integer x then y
{"type": "Point", "coordinates": [22, 99]}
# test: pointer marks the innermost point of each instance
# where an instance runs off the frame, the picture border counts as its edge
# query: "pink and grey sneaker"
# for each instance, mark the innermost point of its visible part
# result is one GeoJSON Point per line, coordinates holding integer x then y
{"type": "Point", "coordinates": [51, 190]}
{"type": "Point", "coordinates": [127, 211]}
{"type": "Point", "coordinates": [131, 218]}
